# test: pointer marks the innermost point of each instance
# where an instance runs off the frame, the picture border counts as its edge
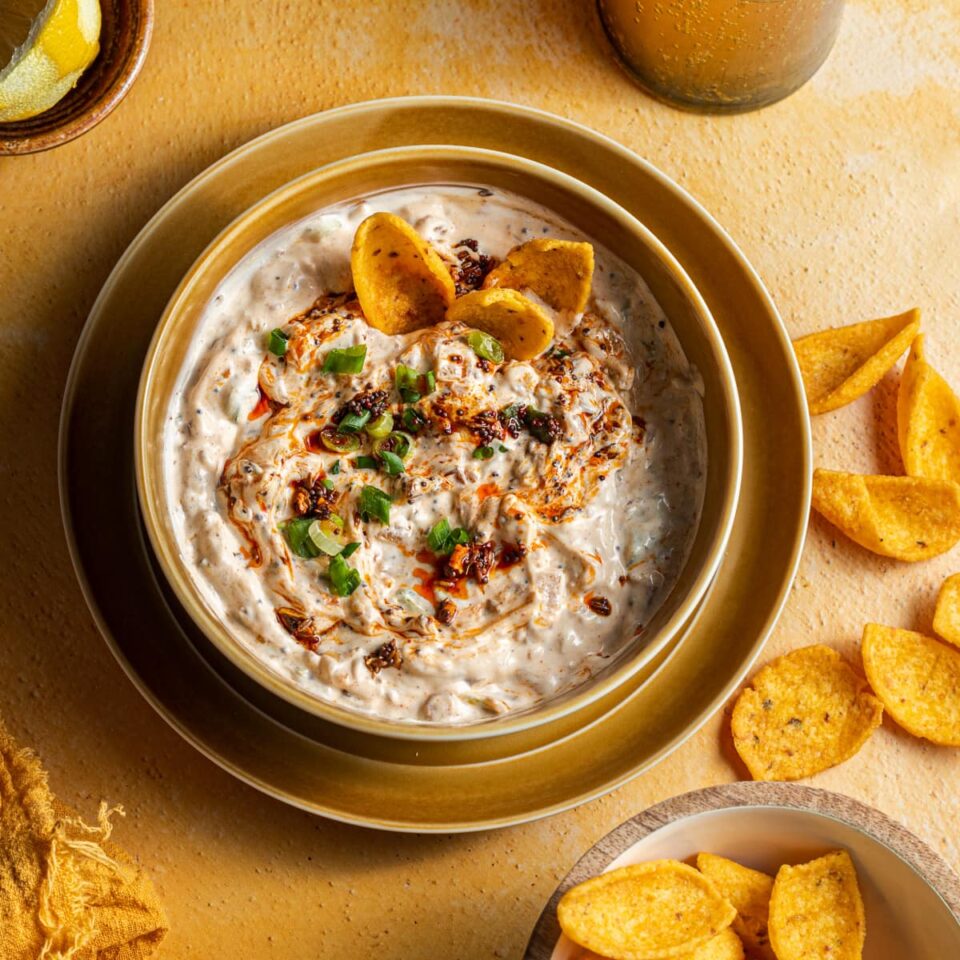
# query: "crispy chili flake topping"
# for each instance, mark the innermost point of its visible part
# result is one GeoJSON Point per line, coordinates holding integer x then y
{"type": "Point", "coordinates": [473, 560]}
{"type": "Point", "coordinates": [299, 626]}
{"type": "Point", "coordinates": [511, 554]}
{"type": "Point", "coordinates": [544, 426]}
{"type": "Point", "coordinates": [512, 418]}
{"type": "Point", "coordinates": [446, 611]}
{"type": "Point", "coordinates": [372, 401]}
{"type": "Point", "coordinates": [600, 606]}
{"type": "Point", "coordinates": [472, 266]}
{"type": "Point", "coordinates": [386, 655]}
{"type": "Point", "coordinates": [487, 426]}
{"type": "Point", "coordinates": [312, 498]}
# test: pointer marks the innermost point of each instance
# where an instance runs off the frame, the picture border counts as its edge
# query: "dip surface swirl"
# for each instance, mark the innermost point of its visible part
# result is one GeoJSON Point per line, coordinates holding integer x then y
{"type": "Point", "coordinates": [579, 522]}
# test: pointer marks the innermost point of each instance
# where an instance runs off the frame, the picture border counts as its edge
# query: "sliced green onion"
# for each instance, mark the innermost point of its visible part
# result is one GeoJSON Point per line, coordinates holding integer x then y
{"type": "Point", "coordinates": [374, 503]}
{"type": "Point", "coordinates": [335, 469]}
{"type": "Point", "coordinates": [328, 483]}
{"type": "Point", "coordinates": [348, 360]}
{"type": "Point", "coordinates": [483, 453]}
{"type": "Point", "coordinates": [485, 346]}
{"type": "Point", "coordinates": [350, 549]}
{"type": "Point", "coordinates": [353, 422]}
{"type": "Point", "coordinates": [397, 442]}
{"type": "Point", "coordinates": [344, 579]}
{"type": "Point", "coordinates": [277, 342]}
{"type": "Point", "coordinates": [392, 464]}
{"type": "Point", "coordinates": [381, 426]}
{"type": "Point", "coordinates": [412, 602]}
{"type": "Point", "coordinates": [338, 442]}
{"type": "Point", "coordinates": [406, 382]}
{"type": "Point", "coordinates": [437, 537]}
{"type": "Point", "coordinates": [459, 536]}
{"type": "Point", "coordinates": [412, 419]}
{"type": "Point", "coordinates": [366, 463]}
{"type": "Point", "coordinates": [336, 520]}
{"type": "Point", "coordinates": [441, 539]}
{"type": "Point", "coordinates": [412, 385]}
{"type": "Point", "coordinates": [508, 413]}
{"type": "Point", "coordinates": [502, 448]}
{"type": "Point", "coordinates": [322, 539]}
{"type": "Point", "coordinates": [297, 534]}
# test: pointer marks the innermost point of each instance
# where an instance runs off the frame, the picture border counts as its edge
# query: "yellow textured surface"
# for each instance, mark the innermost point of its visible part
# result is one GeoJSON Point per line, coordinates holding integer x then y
{"type": "Point", "coordinates": [846, 197]}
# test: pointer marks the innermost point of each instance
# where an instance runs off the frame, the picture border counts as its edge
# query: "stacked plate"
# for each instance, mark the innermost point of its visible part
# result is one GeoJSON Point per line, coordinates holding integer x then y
{"type": "Point", "coordinates": [420, 777]}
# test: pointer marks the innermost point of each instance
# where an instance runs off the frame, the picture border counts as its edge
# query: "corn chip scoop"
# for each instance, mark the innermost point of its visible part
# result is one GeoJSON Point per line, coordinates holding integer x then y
{"type": "Point", "coordinates": [803, 713]}
{"type": "Point", "coordinates": [66, 892]}
{"type": "Point", "coordinates": [816, 911]}
{"type": "Point", "coordinates": [724, 946]}
{"type": "Point", "coordinates": [928, 420]}
{"type": "Point", "coordinates": [907, 518]}
{"type": "Point", "coordinates": [402, 283]}
{"type": "Point", "coordinates": [946, 617]}
{"type": "Point", "coordinates": [648, 911]}
{"type": "Point", "coordinates": [748, 891]}
{"type": "Point", "coordinates": [918, 680]}
{"type": "Point", "coordinates": [840, 365]}
{"type": "Point", "coordinates": [559, 272]}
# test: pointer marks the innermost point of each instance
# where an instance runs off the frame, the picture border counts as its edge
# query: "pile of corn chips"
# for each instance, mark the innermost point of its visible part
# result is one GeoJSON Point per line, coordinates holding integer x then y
{"type": "Point", "coordinates": [911, 517]}
{"type": "Point", "coordinates": [719, 911]}
{"type": "Point", "coordinates": [404, 284]}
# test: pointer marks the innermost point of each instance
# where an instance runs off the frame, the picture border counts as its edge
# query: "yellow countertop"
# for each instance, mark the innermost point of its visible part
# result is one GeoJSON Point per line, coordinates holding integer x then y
{"type": "Point", "coordinates": [846, 197]}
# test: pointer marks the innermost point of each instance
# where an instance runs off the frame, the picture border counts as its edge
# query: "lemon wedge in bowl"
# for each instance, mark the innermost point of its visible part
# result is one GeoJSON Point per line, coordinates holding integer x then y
{"type": "Point", "coordinates": [44, 47]}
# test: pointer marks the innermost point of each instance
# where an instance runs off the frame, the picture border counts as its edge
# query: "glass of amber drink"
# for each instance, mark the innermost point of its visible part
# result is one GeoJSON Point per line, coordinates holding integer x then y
{"type": "Point", "coordinates": [721, 56]}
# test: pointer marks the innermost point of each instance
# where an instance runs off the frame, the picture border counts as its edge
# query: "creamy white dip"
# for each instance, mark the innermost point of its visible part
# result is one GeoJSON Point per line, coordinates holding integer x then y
{"type": "Point", "coordinates": [603, 516]}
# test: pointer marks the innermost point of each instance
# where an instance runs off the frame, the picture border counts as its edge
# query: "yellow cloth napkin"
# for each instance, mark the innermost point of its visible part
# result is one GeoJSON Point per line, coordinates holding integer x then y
{"type": "Point", "coordinates": [66, 893]}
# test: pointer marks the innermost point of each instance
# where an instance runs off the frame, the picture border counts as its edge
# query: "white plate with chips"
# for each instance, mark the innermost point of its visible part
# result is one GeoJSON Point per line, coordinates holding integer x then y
{"type": "Point", "coordinates": [911, 896]}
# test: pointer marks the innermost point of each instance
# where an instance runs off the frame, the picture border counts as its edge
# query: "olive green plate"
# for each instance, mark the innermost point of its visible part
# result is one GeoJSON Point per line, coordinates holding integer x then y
{"type": "Point", "coordinates": [376, 781]}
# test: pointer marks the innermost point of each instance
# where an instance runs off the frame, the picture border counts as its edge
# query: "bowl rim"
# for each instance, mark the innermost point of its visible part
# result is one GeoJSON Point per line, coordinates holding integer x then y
{"type": "Point", "coordinates": [149, 472]}
{"type": "Point", "coordinates": [743, 797]}
{"type": "Point", "coordinates": [17, 140]}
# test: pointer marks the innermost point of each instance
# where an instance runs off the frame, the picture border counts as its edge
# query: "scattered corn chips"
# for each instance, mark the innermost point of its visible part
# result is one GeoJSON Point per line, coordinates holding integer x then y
{"type": "Point", "coordinates": [928, 420]}
{"type": "Point", "coordinates": [946, 618]}
{"type": "Point", "coordinates": [816, 912]}
{"type": "Point", "coordinates": [842, 364]}
{"type": "Point", "coordinates": [559, 272]}
{"type": "Point", "coordinates": [649, 911]}
{"type": "Point", "coordinates": [519, 324]}
{"type": "Point", "coordinates": [401, 281]}
{"type": "Point", "coordinates": [918, 680]}
{"type": "Point", "coordinates": [805, 712]}
{"type": "Point", "coordinates": [908, 518]}
{"type": "Point", "coordinates": [748, 891]}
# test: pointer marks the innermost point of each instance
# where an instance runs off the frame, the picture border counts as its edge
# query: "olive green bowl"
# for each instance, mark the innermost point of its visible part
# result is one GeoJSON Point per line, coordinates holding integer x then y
{"type": "Point", "coordinates": [588, 210]}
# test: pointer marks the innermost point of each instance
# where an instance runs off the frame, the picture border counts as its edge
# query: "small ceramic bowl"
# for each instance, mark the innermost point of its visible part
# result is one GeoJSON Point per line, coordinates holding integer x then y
{"type": "Point", "coordinates": [126, 27]}
{"type": "Point", "coordinates": [596, 216]}
{"type": "Point", "coordinates": [911, 896]}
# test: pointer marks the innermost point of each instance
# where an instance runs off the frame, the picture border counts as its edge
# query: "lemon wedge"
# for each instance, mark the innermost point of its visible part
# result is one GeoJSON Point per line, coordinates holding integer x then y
{"type": "Point", "coordinates": [44, 47]}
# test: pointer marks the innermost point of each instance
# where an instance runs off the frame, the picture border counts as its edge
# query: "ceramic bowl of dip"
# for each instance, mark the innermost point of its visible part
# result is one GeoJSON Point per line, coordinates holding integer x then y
{"type": "Point", "coordinates": [355, 185]}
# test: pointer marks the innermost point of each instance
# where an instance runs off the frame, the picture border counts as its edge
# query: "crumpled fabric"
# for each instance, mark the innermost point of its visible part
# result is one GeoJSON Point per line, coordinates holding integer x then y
{"type": "Point", "coordinates": [66, 892]}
